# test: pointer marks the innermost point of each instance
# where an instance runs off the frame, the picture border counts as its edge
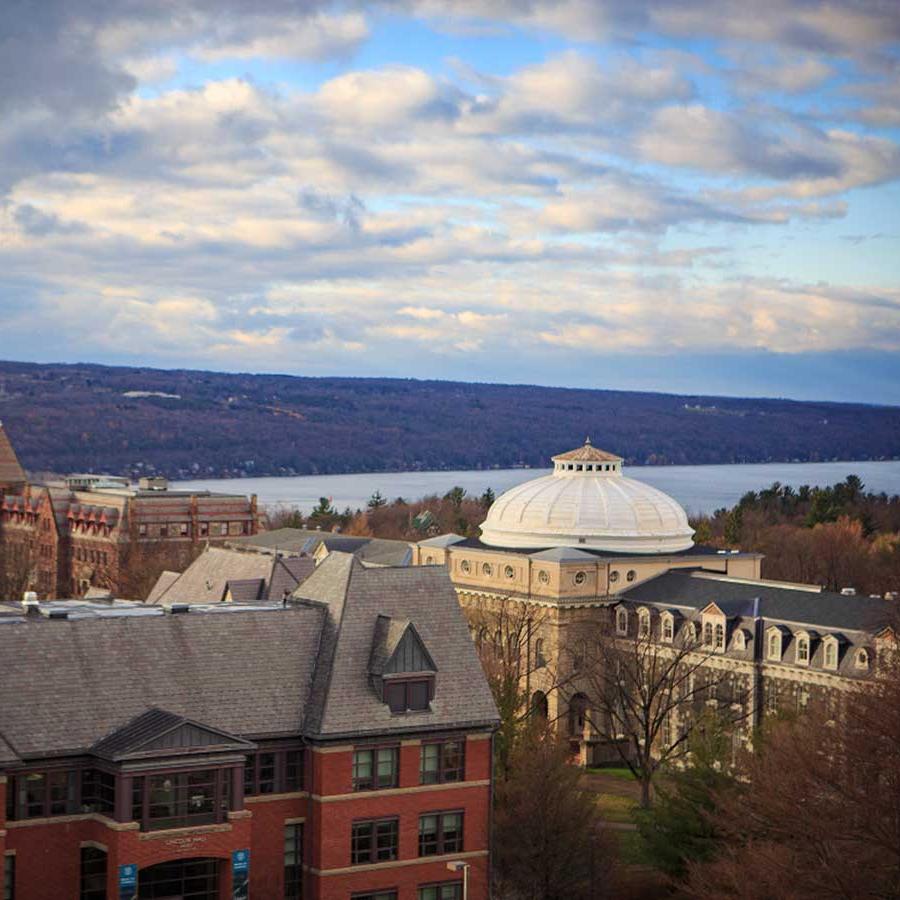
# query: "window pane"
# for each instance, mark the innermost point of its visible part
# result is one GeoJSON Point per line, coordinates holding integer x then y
{"type": "Point", "coordinates": [387, 767]}
{"type": "Point", "coordinates": [266, 773]}
{"type": "Point", "coordinates": [430, 762]}
{"type": "Point", "coordinates": [32, 792]}
{"type": "Point", "coordinates": [362, 770]}
{"type": "Point", "coordinates": [93, 874]}
{"type": "Point", "coordinates": [396, 697]}
{"type": "Point", "coordinates": [418, 695]}
{"type": "Point", "coordinates": [293, 770]}
{"type": "Point", "coordinates": [428, 835]}
{"type": "Point", "coordinates": [293, 861]}
{"type": "Point", "coordinates": [9, 881]}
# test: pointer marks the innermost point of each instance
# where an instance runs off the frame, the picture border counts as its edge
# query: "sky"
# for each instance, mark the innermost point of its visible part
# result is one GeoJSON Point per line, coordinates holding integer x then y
{"type": "Point", "coordinates": [694, 196]}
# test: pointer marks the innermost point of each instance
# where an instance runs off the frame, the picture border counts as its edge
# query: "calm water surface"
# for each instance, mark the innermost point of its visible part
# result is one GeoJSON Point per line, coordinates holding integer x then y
{"type": "Point", "coordinates": [697, 488]}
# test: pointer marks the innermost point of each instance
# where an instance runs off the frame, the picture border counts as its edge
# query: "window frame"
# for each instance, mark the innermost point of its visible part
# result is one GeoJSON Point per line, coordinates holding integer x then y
{"type": "Point", "coordinates": [86, 892]}
{"type": "Point", "coordinates": [9, 876]}
{"type": "Point", "coordinates": [439, 886]}
{"type": "Point", "coordinates": [372, 782]}
{"type": "Point", "coordinates": [621, 621]}
{"type": "Point", "coordinates": [406, 684]}
{"type": "Point", "coordinates": [440, 839]}
{"type": "Point", "coordinates": [372, 850]}
{"type": "Point", "coordinates": [443, 770]}
{"type": "Point", "coordinates": [293, 871]}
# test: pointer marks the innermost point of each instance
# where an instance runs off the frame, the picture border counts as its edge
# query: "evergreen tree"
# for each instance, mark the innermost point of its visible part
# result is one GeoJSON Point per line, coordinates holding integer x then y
{"type": "Point", "coordinates": [377, 500]}
{"type": "Point", "coordinates": [487, 498]}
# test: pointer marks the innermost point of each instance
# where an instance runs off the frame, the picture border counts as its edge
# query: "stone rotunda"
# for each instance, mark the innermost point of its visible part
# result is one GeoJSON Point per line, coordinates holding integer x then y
{"type": "Point", "coordinates": [587, 503]}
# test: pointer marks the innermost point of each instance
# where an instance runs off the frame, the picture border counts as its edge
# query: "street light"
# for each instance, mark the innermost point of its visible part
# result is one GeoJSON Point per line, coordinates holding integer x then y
{"type": "Point", "coordinates": [457, 866]}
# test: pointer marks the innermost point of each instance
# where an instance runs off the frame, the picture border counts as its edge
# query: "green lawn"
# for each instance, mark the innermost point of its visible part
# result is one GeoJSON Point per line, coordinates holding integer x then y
{"type": "Point", "coordinates": [612, 771]}
{"type": "Point", "coordinates": [615, 808]}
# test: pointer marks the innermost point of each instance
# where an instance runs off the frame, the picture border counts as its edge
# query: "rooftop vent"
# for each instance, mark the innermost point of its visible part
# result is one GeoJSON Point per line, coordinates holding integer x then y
{"type": "Point", "coordinates": [179, 608]}
{"type": "Point", "coordinates": [30, 605]}
{"type": "Point", "coordinates": [848, 592]}
{"type": "Point", "coordinates": [58, 614]}
{"type": "Point", "coordinates": [890, 595]}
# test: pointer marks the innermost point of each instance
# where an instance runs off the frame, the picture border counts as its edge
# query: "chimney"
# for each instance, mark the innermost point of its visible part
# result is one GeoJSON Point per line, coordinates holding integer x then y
{"type": "Point", "coordinates": [30, 605]}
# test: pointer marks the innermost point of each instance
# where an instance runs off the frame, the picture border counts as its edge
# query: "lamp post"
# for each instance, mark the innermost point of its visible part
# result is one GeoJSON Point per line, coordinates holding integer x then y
{"type": "Point", "coordinates": [457, 866]}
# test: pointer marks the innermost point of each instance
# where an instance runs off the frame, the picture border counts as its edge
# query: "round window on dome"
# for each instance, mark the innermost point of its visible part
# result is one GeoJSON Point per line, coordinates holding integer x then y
{"type": "Point", "coordinates": [466, 566]}
{"type": "Point", "coordinates": [544, 577]}
{"type": "Point", "coordinates": [509, 572]}
{"type": "Point", "coordinates": [613, 577]}
{"type": "Point", "coordinates": [631, 575]}
{"type": "Point", "coordinates": [580, 577]}
{"type": "Point", "coordinates": [429, 560]}
{"type": "Point", "coordinates": [487, 569]}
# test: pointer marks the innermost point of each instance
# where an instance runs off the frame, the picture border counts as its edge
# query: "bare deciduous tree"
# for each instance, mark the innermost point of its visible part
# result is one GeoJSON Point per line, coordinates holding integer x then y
{"type": "Point", "coordinates": [645, 696]}
{"type": "Point", "coordinates": [819, 813]}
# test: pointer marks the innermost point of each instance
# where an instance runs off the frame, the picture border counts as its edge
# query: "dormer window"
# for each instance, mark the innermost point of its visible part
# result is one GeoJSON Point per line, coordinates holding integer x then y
{"type": "Point", "coordinates": [644, 623]}
{"type": "Point", "coordinates": [668, 628]}
{"type": "Point", "coordinates": [831, 653]}
{"type": "Point", "coordinates": [720, 637]}
{"type": "Point", "coordinates": [401, 668]}
{"type": "Point", "coordinates": [773, 646]}
{"type": "Point", "coordinates": [707, 634]}
{"type": "Point", "coordinates": [740, 642]}
{"type": "Point", "coordinates": [621, 620]}
{"type": "Point", "coordinates": [862, 659]}
{"type": "Point", "coordinates": [802, 650]}
{"type": "Point", "coordinates": [689, 633]}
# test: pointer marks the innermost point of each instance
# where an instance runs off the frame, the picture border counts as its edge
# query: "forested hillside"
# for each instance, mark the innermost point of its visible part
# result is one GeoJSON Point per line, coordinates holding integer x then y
{"type": "Point", "coordinates": [182, 423]}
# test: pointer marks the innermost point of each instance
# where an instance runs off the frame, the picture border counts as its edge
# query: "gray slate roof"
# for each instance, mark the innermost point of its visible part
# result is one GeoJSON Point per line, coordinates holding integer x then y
{"type": "Point", "coordinates": [253, 672]}
{"type": "Point", "coordinates": [344, 702]}
{"type": "Point", "coordinates": [775, 602]}
{"type": "Point", "coordinates": [68, 684]}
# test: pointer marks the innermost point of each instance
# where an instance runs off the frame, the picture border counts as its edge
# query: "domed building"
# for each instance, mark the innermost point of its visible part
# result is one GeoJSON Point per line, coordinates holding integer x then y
{"type": "Point", "coordinates": [586, 547]}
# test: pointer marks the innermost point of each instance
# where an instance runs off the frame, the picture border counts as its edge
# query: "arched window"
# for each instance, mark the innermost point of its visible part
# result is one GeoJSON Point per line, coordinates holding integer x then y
{"type": "Point", "coordinates": [539, 705]}
{"type": "Point", "coordinates": [720, 636]}
{"type": "Point", "coordinates": [644, 623]}
{"type": "Point", "coordinates": [862, 659]}
{"type": "Point", "coordinates": [622, 620]}
{"type": "Point", "coordinates": [578, 706]}
{"type": "Point", "coordinates": [668, 629]}
{"type": "Point", "coordinates": [774, 647]}
{"type": "Point", "coordinates": [831, 655]}
{"type": "Point", "coordinates": [689, 633]}
{"type": "Point", "coordinates": [802, 650]}
{"type": "Point", "coordinates": [707, 634]}
{"type": "Point", "coordinates": [739, 642]}
{"type": "Point", "coordinates": [539, 659]}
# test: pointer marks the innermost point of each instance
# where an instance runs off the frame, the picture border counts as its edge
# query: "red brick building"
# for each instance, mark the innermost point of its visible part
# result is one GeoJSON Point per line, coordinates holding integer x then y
{"type": "Point", "coordinates": [79, 533]}
{"type": "Point", "coordinates": [339, 747]}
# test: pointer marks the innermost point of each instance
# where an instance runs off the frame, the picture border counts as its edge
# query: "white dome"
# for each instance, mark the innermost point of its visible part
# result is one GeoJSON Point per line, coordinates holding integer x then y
{"type": "Point", "coordinates": [587, 502]}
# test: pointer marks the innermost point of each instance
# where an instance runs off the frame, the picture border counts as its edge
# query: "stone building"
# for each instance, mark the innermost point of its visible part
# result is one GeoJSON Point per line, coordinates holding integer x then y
{"type": "Point", "coordinates": [586, 549]}
{"type": "Point", "coordinates": [337, 747]}
{"type": "Point", "coordinates": [78, 533]}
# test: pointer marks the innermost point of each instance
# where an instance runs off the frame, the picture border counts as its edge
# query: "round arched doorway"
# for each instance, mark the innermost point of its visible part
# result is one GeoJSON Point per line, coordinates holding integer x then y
{"type": "Point", "coordinates": [539, 705]}
{"type": "Point", "coordinates": [180, 879]}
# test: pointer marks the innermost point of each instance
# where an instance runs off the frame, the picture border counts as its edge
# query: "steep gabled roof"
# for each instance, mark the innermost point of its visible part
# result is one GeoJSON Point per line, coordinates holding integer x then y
{"type": "Point", "coordinates": [11, 472]}
{"type": "Point", "coordinates": [343, 702]}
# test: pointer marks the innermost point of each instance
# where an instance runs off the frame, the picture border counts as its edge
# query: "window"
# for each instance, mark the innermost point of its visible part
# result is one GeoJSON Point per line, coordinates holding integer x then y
{"type": "Point", "coordinates": [293, 770]}
{"type": "Point", "coordinates": [803, 650]}
{"type": "Point", "coordinates": [644, 623]}
{"type": "Point", "coordinates": [720, 636]}
{"type": "Point", "coordinates": [621, 620]}
{"type": "Point", "coordinates": [862, 659]}
{"type": "Point", "coordinates": [774, 646]}
{"type": "Point", "coordinates": [689, 634]}
{"type": "Point", "coordinates": [142, 530]}
{"type": "Point", "coordinates": [544, 577]}
{"type": "Point", "coordinates": [580, 578]}
{"type": "Point", "coordinates": [449, 890]}
{"type": "Point", "coordinates": [487, 569]}
{"type": "Point", "coordinates": [831, 655]}
{"type": "Point", "coordinates": [668, 629]}
{"type": "Point", "coordinates": [466, 566]}
{"type": "Point", "coordinates": [771, 701]}
{"type": "Point", "coordinates": [375, 768]}
{"type": "Point", "coordinates": [204, 529]}
{"type": "Point", "coordinates": [441, 763]}
{"type": "Point", "coordinates": [613, 577]}
{"type": "Point", "coordinates": [378, 895]}
{"type": "Point", "coordinates": [707, 634]}
{"type": "Point", "coordinates": [440, 833]}
{"type": "Point", "coordinates": [630, 575]}
{"type": "Point", "coordinates": [539, 659]}
{"type": "Point", "coordinates": [182, 799]}
{"type": "Point", "coordinates": [429, 560]}
{"type": "Point", "coordinates": [578, 707]}
{"type": "Point", "coordinates": [184, 528]}
{"type": "Point", "coordinates": [509, 572]}
{"type": "Point", "coordinates": [293, 861]}
{"type": "Point", "coordinates": [374, 841]}
{"type": "Point", "coordinates": [802, 699]}
{"type": "Point", "coordinates": [9, 877]}
{"type": "Point", "coordinates": [98, 792]}
{"type": "Point", "coordinates": [407, 695]}
{"type": "Point", "coordinates": [93, 874]}
{"type": "Point", "coordinates": [259, 774]}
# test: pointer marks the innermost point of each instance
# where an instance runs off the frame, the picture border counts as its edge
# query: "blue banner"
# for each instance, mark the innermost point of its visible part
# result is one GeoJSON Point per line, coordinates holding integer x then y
{"type": "Point", "coordinates": [240, 874]}
{"type": "Point", "coordinates": [128, 882]}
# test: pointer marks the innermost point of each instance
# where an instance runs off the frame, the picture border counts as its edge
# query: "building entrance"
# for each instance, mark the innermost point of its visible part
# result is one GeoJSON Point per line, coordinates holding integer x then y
{"type": "Point", "coordinates": [180, 879]}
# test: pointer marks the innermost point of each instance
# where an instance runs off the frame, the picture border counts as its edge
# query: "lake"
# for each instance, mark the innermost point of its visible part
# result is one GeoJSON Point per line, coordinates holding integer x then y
{"type": "Point", "coordinates": [699, 489]}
